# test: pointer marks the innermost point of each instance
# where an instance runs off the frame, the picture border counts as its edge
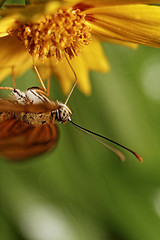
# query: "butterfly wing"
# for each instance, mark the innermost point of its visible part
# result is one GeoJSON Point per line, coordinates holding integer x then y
{"type": "Point", "coordinates": [11, 106]}
{"type": "Point", "coordinates": [20, 141]}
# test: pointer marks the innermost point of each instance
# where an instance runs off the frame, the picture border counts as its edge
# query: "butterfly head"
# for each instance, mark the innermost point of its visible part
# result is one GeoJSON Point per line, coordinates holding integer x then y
{"type": "Point", "coordinates": [63, 113]}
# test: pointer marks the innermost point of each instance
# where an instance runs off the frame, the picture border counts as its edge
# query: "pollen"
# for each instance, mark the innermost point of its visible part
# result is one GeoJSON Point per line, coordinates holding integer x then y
{"type": "Point", "coordinates": [63, 32]}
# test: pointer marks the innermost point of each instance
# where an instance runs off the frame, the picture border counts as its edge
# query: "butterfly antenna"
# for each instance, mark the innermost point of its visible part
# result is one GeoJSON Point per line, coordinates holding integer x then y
{"type": "Point", "coordinates": [75, 83]}
{"type": "Point", "coordinates": [99, 138]}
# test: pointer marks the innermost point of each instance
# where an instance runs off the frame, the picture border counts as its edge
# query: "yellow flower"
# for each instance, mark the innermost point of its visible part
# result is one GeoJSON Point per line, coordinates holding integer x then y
{"type": "Point", "coordinates": [52, 32]}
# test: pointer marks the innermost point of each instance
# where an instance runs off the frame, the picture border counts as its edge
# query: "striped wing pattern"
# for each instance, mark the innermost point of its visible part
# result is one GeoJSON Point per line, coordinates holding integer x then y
{"type": "Point", "coordinates": [10, 106]}
{"type": "Point", "coordinates": [20, 141]}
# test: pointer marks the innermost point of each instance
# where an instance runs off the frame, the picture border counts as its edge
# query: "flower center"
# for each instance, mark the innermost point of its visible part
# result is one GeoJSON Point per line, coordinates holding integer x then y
{"type": "Point", "coordinates": [64, 31]}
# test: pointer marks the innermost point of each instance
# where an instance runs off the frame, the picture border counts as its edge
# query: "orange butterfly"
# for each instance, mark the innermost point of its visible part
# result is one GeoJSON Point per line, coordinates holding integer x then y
{"type": "Point", "coordinates": [28, 123]}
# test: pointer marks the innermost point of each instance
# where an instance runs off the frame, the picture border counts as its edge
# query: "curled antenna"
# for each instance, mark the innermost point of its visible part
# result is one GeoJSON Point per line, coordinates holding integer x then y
{"type": "Point", "coordinates": [99, 138]}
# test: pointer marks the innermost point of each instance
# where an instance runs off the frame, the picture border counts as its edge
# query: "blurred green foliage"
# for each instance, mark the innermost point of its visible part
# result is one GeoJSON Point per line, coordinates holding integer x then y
{"type": "Point", "coordinates": [80, 190]}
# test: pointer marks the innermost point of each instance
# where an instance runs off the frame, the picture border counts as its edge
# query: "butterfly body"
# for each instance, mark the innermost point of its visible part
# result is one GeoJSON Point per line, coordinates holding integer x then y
{"type": "Point", "coordinates": [28, 123]}
{"type": "Point", "coordinates": [33, 95]}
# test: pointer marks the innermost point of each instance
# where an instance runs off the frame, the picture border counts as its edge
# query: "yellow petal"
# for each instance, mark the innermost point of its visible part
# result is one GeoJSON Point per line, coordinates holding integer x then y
{"type": "Point", "coordinates": [116, 2]}
{"type": "Point", "coordinates": [13, 55]}
{"type": "Point", "coordinates": [3, 34]}
{"type": "Point", "coordinates": [94, 57]}
{"type": "Point", "coordinates": [80, 67]}
{"type": "Point", "coordinates": [65, 76]}
{"type": "Point", "coordinates": [119, 42]}
{"type": "Point", "coordinates": [84, 4]}
{"type": "Point", "coordinates": [5, 24]}
{"type": "Point", "coordinates": [130, 23]}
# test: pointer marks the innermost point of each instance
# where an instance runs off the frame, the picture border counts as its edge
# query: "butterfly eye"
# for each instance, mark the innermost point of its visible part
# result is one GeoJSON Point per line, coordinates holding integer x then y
{"type": "Point", "coordinates": [63, 115]}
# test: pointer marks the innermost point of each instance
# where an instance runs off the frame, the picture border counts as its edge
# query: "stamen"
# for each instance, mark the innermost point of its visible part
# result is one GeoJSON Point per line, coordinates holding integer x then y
{"type": "Point", "coordinates": [64, 31]}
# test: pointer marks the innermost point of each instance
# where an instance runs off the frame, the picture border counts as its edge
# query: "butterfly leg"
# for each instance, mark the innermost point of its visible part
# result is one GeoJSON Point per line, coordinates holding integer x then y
{"type": "Point", "coordinates": [39, 77]}
{"type": "Point", "coordinates": [14, 81]}
{"type": "Point", "coordinates": [45, 91]}
{"type": "Point", "coordinates": [7, 88]}
{"type": "Point", "coordinates": [48, 86]}
{"type": "Point", "coordinates": [13, 78]}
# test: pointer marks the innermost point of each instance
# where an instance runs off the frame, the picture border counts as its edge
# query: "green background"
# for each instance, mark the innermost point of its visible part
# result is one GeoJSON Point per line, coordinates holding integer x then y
{"type": "Point", "coordinates": [80, 190]}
